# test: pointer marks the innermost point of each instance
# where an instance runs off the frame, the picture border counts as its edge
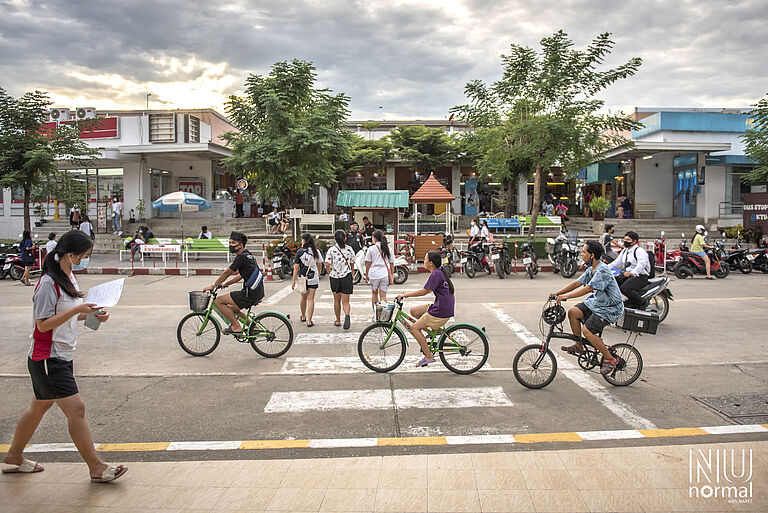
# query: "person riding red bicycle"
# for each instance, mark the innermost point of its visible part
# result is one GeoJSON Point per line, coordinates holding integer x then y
{"type": "Point", "coordinates": [595, 312]}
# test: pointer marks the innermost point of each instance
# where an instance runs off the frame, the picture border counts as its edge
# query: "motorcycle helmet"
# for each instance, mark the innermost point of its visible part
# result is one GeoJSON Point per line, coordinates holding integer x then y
{"type": "Point", "coordinates": [554, 314]}
{"type": "Point", "coordinates": [700, 228]}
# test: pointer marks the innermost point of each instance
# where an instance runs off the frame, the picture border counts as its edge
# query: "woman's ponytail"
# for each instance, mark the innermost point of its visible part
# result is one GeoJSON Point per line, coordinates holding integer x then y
{"type": "Point", "coordinates": [75, 242]}
{"type": "Point", "coordinates": [382, 239]}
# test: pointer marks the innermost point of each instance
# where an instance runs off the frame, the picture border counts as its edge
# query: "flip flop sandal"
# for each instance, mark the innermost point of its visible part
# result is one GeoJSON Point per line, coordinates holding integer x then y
{"type": "Point", "coordinates": [229, 331]}
{"type": "Point", "coordinates": [303, 319]}
{"type": "Point", "coordinates": [572, 350]}
{"type": "Point", "coordinates": [110, 474]}
{"type": "Point", "coordinates": [26, 467]}
{"type": "Point", "coordinates": [311, 325]}
{"type": "Point", "coordinates": [337, 324]}
{"type": "Point", "coordinates": [608, 366]}
{"type": "Point", "coordinates": [424, 362]}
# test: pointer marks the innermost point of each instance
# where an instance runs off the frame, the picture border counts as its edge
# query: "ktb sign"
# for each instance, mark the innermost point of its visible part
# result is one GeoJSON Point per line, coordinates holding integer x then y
{"type": "Point", "coordinates": [193, 187]}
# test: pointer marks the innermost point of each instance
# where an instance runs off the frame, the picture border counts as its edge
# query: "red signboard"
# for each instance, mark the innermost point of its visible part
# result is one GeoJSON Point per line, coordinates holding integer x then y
{"type": "Point", "coordinates": [104, 128]}
{"type": "Point", "coordinates": [195, 187]}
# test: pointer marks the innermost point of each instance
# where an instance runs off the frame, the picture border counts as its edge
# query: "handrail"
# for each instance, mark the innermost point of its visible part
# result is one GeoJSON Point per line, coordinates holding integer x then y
{"type": "Point", "coordinates": [730, 208]}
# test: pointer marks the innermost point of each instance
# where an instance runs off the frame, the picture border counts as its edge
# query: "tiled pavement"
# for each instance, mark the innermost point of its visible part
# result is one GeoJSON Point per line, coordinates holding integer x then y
{"type": "Point", "coordinates": [633, 479]}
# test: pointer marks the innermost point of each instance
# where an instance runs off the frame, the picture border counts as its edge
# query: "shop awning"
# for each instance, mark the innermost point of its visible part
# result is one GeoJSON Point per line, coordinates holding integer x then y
{"type": "Point", "coordinates": [432, 191]}
{"type": "Point", "coordinates": [644, 148]}
{"type": "Point", "coordinates": [603, 172]}
{"type": "Point", "coordinates": [373, 199]}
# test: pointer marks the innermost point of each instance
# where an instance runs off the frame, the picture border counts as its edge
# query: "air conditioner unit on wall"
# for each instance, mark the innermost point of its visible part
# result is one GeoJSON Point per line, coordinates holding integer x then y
{"type": "Point", "coordinates": [85, 112]}
{"type": "Point", "coordinates": [60, 115]}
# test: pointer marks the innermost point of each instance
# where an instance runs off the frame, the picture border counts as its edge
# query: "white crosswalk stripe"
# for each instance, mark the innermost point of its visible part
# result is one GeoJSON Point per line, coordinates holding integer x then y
{"type": "Point", "coordinates": [352, 365]}
{"type": "Point", "coordinates": [386, 399]}
{"type": "Point", "coordinates": [326, 338]}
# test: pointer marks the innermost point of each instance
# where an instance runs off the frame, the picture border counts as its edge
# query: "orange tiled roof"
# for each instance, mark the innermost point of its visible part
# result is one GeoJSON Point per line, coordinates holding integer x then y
{"type": "Point", "coordinates": [432, 191]}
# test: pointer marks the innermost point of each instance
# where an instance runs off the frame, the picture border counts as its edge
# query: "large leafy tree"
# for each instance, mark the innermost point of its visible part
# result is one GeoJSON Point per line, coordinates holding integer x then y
{"type": "Point", "coordinates": [543, 111]}
{"type": "Point", "coordinates": [291, 135]}
{"type": "Point", "coordinates": [424, 148]}
{"type": "Point", "coordinates": [756, 143]}
{"type": "Point", "coordinates": [29, 152]}
{"type": "Point", "coordinates": [363, 152]}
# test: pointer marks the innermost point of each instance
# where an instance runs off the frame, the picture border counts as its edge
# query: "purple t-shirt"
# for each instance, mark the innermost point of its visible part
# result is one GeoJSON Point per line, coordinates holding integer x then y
{"type": "Point", "coordinates": [444, 300]}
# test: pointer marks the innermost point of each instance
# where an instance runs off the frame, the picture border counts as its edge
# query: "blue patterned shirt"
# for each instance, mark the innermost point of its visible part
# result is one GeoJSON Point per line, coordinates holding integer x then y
{"type": "Point", "coordinates": [606, 301]}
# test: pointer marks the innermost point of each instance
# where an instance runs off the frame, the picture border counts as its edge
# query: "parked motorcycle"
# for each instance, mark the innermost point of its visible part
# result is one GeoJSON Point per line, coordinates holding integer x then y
{"type": "Point", "coordinates": [563, 253]}
{"type": "Point", "coordinates": [7, 251]}
{"type": "Point", "coordinates": [501, 259]}
{"type": "Point", "coordinates": [759, 259]}
{"type": "Point", "coordinates": [446, 254]}
{"type": "Point", "coordinates": [530, 262]}
{"type": "Point", "coordinates": [400, 272]}
{"type": "Point", "coordinates": [475, 259]}
{"type": "Point", "coordinates": [282, 259]}
{"type": "Point", "coordinates": [737, 257]}
{"type": "Point", "coordinates": [687, 264]}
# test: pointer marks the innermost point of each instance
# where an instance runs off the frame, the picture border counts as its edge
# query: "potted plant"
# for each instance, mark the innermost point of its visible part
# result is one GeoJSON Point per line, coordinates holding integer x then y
{"type": "Point", "coordinates": [140, 210]}
{"type": "Point", "coordinates": [40, 213]}
{"type": "Point", "coordinates": [599, 206]}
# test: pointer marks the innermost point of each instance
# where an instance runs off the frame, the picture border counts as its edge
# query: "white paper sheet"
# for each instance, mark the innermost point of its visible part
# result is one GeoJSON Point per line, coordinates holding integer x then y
{"type": "Point", "coordinates": [106, 294]}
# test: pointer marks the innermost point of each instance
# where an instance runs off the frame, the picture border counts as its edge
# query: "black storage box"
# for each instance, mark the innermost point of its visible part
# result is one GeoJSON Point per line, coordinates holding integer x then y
{"type": "Point", "coordinates": [639, 321]}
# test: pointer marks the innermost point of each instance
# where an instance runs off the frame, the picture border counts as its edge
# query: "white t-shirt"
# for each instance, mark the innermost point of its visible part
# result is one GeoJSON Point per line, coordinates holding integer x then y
{"type": "Point", "coordinates": [47, 303]}
{"type": "Point", "coordinates": [206, 235]}
{"type": "Point", "coordinates": [117, 208]}
{"type": "Point", "coordinates": [485, 233]}
{"type": "Point", "coordinates": [378, 263]}
{"type": "Point", "coordinates": [342, 261]}
{"type": "Point", "coordinates": [50, 246]}
{"type": "Point", "coordinates": [86, 227]}
{"type": "Point", "coordinates": [474, 231]}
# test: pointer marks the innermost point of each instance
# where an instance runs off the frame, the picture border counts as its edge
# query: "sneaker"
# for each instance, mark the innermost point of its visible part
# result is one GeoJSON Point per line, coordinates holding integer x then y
{"type": "Point", "coordinates": [346, 322]}
{"type": "Point", "coordinates": [608, 366]}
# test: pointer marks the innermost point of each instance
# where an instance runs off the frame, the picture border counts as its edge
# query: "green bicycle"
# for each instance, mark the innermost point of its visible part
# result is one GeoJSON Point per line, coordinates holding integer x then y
{"type": "Point", "coordinates": [463, 347]}
{"type": "Point", "coordinates": [269, 333]}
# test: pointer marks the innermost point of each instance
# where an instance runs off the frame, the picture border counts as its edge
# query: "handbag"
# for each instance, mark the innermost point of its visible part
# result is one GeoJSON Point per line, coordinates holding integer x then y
{"type": "Point", "coordinates": [302, 286]}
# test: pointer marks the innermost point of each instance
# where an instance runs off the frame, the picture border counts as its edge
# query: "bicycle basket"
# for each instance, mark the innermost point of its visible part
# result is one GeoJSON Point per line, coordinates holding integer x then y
{"type": "Point", "coordinates": [198, 301]}
{"type": "Point", "coordinates": [384, 311]}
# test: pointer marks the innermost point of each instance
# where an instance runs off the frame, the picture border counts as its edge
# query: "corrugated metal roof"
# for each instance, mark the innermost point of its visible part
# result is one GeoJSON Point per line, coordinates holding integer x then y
{"type": "Point", "coordinates": [432, 191]}
{"type": "Point", "coordinates": [373, 199]}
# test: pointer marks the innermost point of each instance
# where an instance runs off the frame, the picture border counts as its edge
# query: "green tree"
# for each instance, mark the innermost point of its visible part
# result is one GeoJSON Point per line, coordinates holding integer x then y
{"type": "Point", "coordinates": [424, 148]}
{"type": "Point", "coordinates": [29, 152]}
{"type": "Point", "coordinates": [291, 135]}
{"type": "Point", "coordinates": [364, 152]}
{"type": "Point", "coordinates": [544, 110]}
{"type": "Point", "coordinates": [756, 143]}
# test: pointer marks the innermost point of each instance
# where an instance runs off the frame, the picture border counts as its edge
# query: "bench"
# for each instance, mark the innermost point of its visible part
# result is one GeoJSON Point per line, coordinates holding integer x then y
{"type": "Point", "coordinates": [213, 247]}
{"type": "Point", "coordinates": [328, 220]}
{"type": "Point", "coordinates": [645, 210]}
{"type": "Point", "coordinates": [128, 240]}
{"type": "Point", "coordinates": [542, 222]}
{"type": "Point", "coordinates": [502, 223]}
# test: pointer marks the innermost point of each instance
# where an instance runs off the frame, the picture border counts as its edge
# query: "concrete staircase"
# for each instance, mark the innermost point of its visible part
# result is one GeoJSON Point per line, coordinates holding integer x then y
{"type": "Point", "coordinates": [647, 229]}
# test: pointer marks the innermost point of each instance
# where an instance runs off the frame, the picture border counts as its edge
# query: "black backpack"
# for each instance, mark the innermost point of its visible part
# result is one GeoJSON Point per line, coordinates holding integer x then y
{"type": "Point", "coordinates": [652, 262]}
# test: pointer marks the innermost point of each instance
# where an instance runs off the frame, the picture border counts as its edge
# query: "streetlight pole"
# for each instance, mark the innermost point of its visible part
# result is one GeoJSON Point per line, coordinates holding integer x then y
{"type": "Point", "coordinates": [148, 95]}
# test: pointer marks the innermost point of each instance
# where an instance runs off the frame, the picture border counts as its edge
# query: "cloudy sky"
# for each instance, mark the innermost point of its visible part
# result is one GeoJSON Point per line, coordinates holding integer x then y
{"type": "Point", "coordinates": [395, 59]}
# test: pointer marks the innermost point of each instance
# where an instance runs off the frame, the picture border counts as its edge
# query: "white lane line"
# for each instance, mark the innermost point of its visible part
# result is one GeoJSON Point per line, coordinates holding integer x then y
{"type": "Point", "coordinates": [480, 439]}
{"type": "Point", "coordinates": [625, 412]}
{"type": "Point", "coordinates": [352, 365]}
{"type": "Point", "coordinates": [728, 430]}
{"type": "Point", "coordinates": [382, 399]}
{"type": "Point", "coordinates": [204, 446]}
{"type": "Point", "coordinates": [329, 443]}
{"type": "Point", "coordinates": [278, 296]}
{"type": "Point", "coordinates": [619, 434]}
{"type": "Point", "coordinates": [326, 338]}
{"type": "Point", "coordinates": [328, 303]}
{"type": "Point", "coordinates": [329, 319]}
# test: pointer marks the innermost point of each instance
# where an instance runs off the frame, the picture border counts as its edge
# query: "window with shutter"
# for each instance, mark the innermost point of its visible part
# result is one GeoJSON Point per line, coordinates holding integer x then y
{"type": "Point", "coordinates": [162, 128]}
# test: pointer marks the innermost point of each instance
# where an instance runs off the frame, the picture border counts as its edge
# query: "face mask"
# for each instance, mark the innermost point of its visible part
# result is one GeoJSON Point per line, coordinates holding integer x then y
{"type": "Point", "coordinates": [233, 249]}
{"type": "Point", "coordinates": [82, 265]}
{"type": "Point", "coordinates": [473, 223]}
{"type": "Point", "coordinates": [627, 244]}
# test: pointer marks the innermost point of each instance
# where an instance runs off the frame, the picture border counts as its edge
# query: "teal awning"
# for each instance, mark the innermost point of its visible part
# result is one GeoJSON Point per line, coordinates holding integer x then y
{"type": "Point", "coordinates": [603, 172]}
{"type": "Point", "coordinates": [373, 199]}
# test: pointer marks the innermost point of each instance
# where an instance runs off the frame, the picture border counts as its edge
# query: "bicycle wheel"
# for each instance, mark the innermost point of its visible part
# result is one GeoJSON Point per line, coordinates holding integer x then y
{"type": "Point", "coordinates": [376, 357]}
{"type": "Point", "coordinates": [273, 335]}
{"type": "Point", "coordinates": [630, 370]}
{"type": "Point", "coordinates": [194, 343]}
{"type": "Point", "coordinates": [531, 377]}
{"type": "Point", "coordinates": [463, 348]}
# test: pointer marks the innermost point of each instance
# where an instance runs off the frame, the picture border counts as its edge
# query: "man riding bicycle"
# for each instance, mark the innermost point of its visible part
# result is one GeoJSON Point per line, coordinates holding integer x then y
{"type": "Point", "coordinates": [596, 312]}
{"type": "Point", "coordinates": [635, 269]}
{"type": "Point", "coordinates": [252, 293]}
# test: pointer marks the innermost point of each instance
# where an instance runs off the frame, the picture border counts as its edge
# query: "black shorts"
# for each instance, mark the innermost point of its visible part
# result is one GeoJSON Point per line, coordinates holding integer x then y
{"type": "Point", "coordinates": [244, 298]}
{"type": "Point", "coordinates": [28, 260]}
{"type": "Point", "coordinates": [593, 322]}
{"type": "Point", "coordinates": [273, 222]}
{"type": "Point", "coordinates": [343, 285]}
{"type": "Point", "coordinates": [52, 378]}
{"type": "Point", "coordinates": [312, 286]}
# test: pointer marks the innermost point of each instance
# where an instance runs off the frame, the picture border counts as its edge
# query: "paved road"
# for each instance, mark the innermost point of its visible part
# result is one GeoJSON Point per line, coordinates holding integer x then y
{"type": "Point", "coordinates": [141, 387]}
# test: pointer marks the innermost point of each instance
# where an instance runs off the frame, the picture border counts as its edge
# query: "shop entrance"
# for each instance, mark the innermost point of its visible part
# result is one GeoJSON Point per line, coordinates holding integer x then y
{"type": "Point", "coordinates": [685, 193]}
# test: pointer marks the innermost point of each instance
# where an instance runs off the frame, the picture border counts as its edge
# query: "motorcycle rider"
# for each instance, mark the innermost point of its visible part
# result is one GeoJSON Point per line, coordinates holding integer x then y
{"type": "Point", "coordinates": [635, 268]}
{"type": "Point", "coordinates": [476, 235]}
{"type": "Point", "coordinates": [698, 245]}
{"type": "Point", "coordinates": [609, 243]}
{"type": "Point", "coordinates": [354, 237]}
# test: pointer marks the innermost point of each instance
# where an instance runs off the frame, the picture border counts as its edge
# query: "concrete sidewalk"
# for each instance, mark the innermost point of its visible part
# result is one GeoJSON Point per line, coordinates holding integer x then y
{"type": "Point", "coordinates": [633, 479]}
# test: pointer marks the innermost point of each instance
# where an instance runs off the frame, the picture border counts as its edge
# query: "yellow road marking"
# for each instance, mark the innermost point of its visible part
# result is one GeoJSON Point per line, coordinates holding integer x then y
{"type": "Point", "coordinates": [547, 437]}
{"type": "Point", "coordinates": [133, 447]}
{"type": "Point", "coordinates": [413, 440]}
{"type": "Point", "coordinates": [273, 444]}
{"type": "Point", "coordinates": [657, 433]}
{"type": "Point", "coordinates": [4, 447]}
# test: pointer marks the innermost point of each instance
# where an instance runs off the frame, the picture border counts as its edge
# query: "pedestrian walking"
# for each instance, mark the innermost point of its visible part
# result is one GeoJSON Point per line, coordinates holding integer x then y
{"type": "Point", "coordinates": [340, 265]}
{"type": "Point", "coordinates": [379, 269]}
{"type": "Point", "coordinates": [87, 228]}
{"type": "Point", "coordinates": [74, 218]}
{"type": "Point", "coordinates": [306, 271]}
{"type": "Point", "coordinates": [27, 256]}
{"type": "Point", "coordinates": [57, 307]}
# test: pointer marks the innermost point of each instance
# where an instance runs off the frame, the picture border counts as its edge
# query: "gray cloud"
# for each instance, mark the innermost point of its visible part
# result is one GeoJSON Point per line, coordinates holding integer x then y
{"type": "Point", "coordinates": [411, 58]}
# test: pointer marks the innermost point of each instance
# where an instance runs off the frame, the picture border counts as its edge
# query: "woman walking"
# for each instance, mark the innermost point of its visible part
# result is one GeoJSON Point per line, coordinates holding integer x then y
{"type": "Point", "coordinates": [57, 306]}
{"type": "Point", "coordinates": [306, 269]}
{"type": "Point", "coordinates": [379, 269]}
{"type": "Point", "coordinates": [27, 256]}
{"type": "Point", "coordinates": [340, 264]}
